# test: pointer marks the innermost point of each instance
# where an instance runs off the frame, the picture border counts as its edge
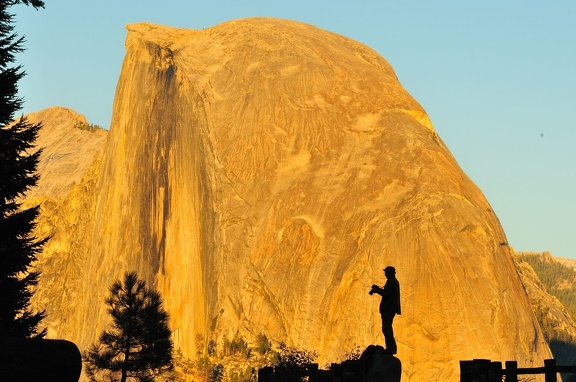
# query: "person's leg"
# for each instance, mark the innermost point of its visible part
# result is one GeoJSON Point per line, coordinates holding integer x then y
{"type": "Point", "coordinates": [388, 332]}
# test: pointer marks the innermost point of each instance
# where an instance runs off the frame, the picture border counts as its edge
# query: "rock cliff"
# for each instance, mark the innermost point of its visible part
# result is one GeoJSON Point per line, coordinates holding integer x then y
{"type": "Point", "coordinates": [69, 166]}
{"type": "Point", "coordinates": [260, 174]}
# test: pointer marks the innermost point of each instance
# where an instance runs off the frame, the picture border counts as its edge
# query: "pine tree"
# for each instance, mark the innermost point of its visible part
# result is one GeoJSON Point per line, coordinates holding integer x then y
{"type": "Point", "coordinates": [139, 344]}
{"type": "Point", "coordinates": [18, 247]}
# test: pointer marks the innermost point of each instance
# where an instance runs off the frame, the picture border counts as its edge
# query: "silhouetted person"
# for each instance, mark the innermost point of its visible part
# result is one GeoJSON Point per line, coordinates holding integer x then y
{"type": "Point", "coordinates": [389, 306]}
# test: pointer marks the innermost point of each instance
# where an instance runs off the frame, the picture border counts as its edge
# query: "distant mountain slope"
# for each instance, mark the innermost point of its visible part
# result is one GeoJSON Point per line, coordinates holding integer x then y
{"type": "Point", "coordinates": [68, 167]}
{"type": "Point", "coordinates": [568, 262]}
{"type": "Point", "coordinates": [69, 145]}
{"type": "Point", "coordinates": [551, 287]}
{"type": "Point", "coordinates": [558, 278]}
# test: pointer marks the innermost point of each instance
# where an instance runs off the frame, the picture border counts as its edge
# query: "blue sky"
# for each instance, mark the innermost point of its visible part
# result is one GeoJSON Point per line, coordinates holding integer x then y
{"type": "Point", "coordinates": [497, 78]}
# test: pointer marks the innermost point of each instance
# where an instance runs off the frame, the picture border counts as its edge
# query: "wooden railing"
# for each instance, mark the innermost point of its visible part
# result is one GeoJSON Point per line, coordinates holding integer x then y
{"type": "Point", "coordinates": [491, 371]}
{"type": "Point", "coordinates": [470, 371]}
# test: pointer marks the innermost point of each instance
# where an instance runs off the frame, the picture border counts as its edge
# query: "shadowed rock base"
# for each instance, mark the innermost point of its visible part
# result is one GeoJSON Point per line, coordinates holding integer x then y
{"type": "Point", "coordinates": [378, 365]}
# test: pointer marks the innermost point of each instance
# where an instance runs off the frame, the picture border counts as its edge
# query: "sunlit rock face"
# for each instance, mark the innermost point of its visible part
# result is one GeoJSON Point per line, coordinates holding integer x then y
{"type": "Point", "coordinates": [261, 174]}
{"type": "Point", "coordinates": [69, 146]}
{"type": "Point", "coordinates": [69, 167]}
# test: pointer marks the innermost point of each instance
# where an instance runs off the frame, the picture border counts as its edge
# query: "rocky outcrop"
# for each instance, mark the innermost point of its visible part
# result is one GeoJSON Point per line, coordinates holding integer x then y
{"type": "Point", "coordinates": [379, 366]}
{"type": "Point", "coordinates": [69, 167]}
{"type": "Point", "coordinates": [544, 278]}
{"type": "Point", "coordinates": [260, 174]}
{"type": "Point", "coordinates": [69, 147]}
{"type": "Point", "coordinates": [549, 310]}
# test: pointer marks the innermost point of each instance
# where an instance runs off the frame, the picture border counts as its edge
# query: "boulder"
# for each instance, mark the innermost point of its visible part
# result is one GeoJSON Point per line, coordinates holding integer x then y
{"type": "Point", "coordinates": [379, 365]}
{"type": "Point", "coordinates": [32, 360]}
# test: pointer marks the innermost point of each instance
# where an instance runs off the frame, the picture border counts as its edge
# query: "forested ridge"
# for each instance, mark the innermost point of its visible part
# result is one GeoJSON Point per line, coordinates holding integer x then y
{"type": "Point", "coordinates": [551, 278]}
{"type": "Point", "coordinates": [559, 279]}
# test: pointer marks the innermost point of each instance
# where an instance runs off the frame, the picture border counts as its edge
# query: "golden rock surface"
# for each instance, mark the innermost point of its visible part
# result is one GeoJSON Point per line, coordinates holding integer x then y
{"type": "Point", "coordinates": [261, 174]}
{"type": "Point", "coordinates": [69, 148]}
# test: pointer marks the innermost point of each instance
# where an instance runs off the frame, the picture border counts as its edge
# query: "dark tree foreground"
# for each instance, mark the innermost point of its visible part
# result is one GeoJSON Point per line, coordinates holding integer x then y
{"type": "Point", "coordinates": [139, 344]}
{"type": "Point", "coordinates": [292, 363]}
{"type": "Point", "coordinates": [18, 161]}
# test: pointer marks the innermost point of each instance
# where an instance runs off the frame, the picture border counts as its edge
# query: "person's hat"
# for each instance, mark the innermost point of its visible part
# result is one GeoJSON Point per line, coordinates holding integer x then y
{"type": "Point", "coordinates": [390, 269]}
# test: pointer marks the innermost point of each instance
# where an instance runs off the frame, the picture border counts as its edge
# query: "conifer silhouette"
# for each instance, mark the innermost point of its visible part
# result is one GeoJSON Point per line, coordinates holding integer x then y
{"type": "Point", "coordinates": [139, 344]}
{"type": "Point", "coordinates": [18, 162]}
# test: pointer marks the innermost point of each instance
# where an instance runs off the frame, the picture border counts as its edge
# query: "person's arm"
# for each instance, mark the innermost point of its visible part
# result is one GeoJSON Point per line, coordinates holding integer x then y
{"type": "Point", "coordinates": [376, 289]}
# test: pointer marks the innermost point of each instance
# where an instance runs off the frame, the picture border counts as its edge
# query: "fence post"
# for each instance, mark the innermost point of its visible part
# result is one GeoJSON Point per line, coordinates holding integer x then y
{"type": "Point", "coordinates": [495, 374]}
{"type": "Point", "coordinates": [466, 371]}
{"type": "Point", "coordinates": [475, 370]}
{"type": "Point", "coordinates": [550, 370]}
{"type": "Point", "coordinates": [511, 371]}
{"type": "Point", "coordinates": [483, 369]}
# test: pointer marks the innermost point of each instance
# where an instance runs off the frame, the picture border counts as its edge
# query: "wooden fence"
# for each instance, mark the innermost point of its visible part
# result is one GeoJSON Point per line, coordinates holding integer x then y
{"type": "Point", "coordinates": [490, 371]}
{"type": "Point", "coordinates": [477, 370]}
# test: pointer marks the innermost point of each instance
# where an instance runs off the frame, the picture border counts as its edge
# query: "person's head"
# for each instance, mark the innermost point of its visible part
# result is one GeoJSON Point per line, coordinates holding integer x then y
{"type": "Point", "coordinates": [390, 272]}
